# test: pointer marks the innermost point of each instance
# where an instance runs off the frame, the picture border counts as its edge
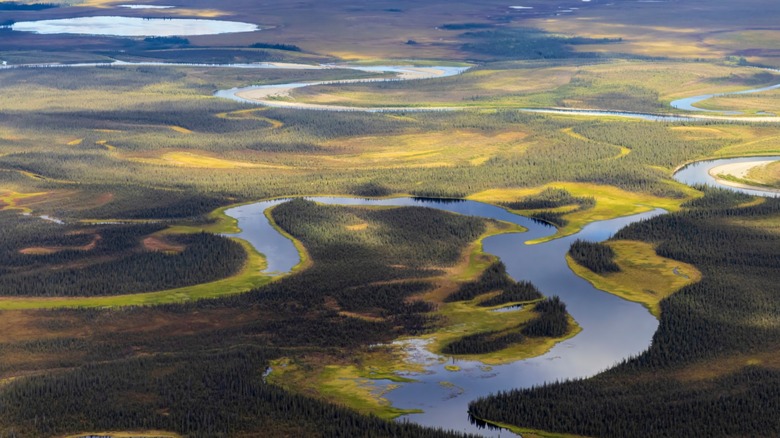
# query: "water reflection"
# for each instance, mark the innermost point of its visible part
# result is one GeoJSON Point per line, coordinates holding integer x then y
{"type": "Point", "coordinates": [613, 329]}
{"type": "Point", "coordinates": [698, 173]}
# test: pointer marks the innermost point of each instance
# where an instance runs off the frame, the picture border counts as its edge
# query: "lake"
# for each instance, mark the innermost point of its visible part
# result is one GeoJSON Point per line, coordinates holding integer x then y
{"type": "Point", "coordinates": [134, 26]}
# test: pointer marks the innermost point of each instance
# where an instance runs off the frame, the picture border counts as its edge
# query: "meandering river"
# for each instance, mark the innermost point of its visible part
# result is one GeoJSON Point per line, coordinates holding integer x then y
{"type": "Point", "coordinates": [699, 172]}
{"type": "Point", "coordinates": [612, 329]}
{"type": "Point", "coordinates": [268, 95]}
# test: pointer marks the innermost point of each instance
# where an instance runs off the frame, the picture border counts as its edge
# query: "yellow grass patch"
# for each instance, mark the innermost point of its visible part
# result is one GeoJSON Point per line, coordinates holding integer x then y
{"type": "Point", "coordinates": [611, 202]}
{"type": "Point", "coordinates": [195, 160]}
{"type": "Point", "coordinates": [754, 141]}
{"type": "Point", "coordinates": [180, 129]}
{"type": "Point", "coordinates": [11, 200]}
{"type": "Point", "coordinates": [98, 3]}
{"type": "Point", "coordinates": [424, 149]}
{"type": "Point", "coordinates": [703, 132]}
{"type": "Point", "coordinates": [671, 80]}
{"type": "Point", "coordinates": [199, 13]}
{"type": "Point", "coordinates": [676, 47]}
{"type": "Point", "coordinates": [751, 104]}
{"type": "Point", "coordinates": [362, 316]}
{"type": "Point", "coordinates": [493, 88]}
{"type": "Point", "coordinates": [639, 30]}
{"type": "Point", "coordinates": [645, 277]}
{"type": "Point", "coordinates": [346, 385]}
{"type": "Point", "coordinates": [105, 145]}
{"type": "Point", "coordinates": [75, 142]}
{"type": "Point", "coordinates": [532, 433]}
{"type": "Point", "coordinates": [357, 227]}
{"type": "Point", "coordinates": [251, 114]}
{"type": "Point", "coordinates": [767, 224]}
{"type": "Point", "coordinates": [768, 174]}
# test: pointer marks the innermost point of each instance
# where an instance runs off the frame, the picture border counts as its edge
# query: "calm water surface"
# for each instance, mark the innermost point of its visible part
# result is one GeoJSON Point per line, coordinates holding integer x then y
{"type": "Point", "coordinates": [134, 26]}
{"type": "Point", "coordinates": [698, 174]}
{"type": "Point", "coordinates": [613, 329]}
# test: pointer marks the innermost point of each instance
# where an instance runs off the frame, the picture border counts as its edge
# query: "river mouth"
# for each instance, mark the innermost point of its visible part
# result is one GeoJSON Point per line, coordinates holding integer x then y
{"type": "Point", "coordinates": [134, 26]}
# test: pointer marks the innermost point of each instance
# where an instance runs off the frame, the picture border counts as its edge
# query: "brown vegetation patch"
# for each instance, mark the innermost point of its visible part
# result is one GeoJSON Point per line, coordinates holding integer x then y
{"type": "Point", "coordinates": [103, 199]}
{"type": "Point", "coordinates": [332, 304]}
{"type": "Point", "coordinates": [19, 326]}
{"type": "Point", "coordinates": [363, 316]}
{"type": "Point", "coordinates": [715, 368]}
{"type": "Point", "coordinates": [43, 250]}
{"type": "Point", "coordinates": [159, 243]}
{"type": "Point", "coordinates": [38, 200]}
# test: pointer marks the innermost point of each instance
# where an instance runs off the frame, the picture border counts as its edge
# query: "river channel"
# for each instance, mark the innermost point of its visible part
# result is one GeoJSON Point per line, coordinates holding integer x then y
{"type": "Point", "coordinates": [612, 329]}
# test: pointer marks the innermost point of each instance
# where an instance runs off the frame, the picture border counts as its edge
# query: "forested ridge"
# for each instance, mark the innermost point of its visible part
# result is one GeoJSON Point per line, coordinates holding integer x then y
{"type": "Point", "coordinates": [708, 371]}
{"type": "Point", "coordinates": [39, 258]}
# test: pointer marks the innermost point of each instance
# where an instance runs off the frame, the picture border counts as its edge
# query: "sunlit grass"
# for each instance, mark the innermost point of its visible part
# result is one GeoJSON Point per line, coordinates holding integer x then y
{"type": "Point", "coordinates": [344, 384]}
{"type": "Point", "coordinates": [768, 174]}
{"type": "Point", "coordinates": [644, 276]}
{"type": "Point", "coordinates": [611, 202]}
{"type": "Point", "coordinates": [433, 149]}
{"type": "Point", "coordinates": [751, 104]}
{"type": "Point", "coordinates": [191, 159]}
